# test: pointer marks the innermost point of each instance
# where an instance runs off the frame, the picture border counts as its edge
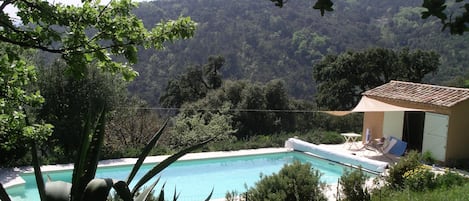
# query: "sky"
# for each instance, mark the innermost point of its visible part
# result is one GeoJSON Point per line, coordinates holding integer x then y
{"type": "Point", "coordinates": [12, 10]}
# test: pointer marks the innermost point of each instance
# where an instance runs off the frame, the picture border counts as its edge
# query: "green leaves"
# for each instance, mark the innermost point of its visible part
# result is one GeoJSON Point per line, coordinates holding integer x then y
{"type": "Point", "coordinates": [435, 8]}
{"type": "Point", "coordinates": [295, 182]}
{"type": "Point", "coordinates": [171, 30]}
{"type": "Point", "coordinates": [278, 3]}
{"type": "Point", "coordinates": [341, 78]}
{"type": "Point", "coordinates": [78, 32]}
{"type": "Point", "coordinates": [456, 24]}
{"type": "Point", "coordinates": [16, 79]}
{"type": "Point", "coordinates": [87, 161]}
{"type": "Point", "coordinates": [323, 5]}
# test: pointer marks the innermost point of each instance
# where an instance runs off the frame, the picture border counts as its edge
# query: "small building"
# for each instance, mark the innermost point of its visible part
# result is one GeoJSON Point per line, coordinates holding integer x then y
{"type": "Point", "coordinates": [428, 117]}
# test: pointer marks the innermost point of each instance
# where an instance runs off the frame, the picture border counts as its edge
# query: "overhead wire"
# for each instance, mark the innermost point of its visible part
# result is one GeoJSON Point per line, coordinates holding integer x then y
{"type": "Point", "coordinates": [215, 109]}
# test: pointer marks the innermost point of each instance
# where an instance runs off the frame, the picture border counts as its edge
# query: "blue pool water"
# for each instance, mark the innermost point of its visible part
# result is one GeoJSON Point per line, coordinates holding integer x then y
{"type": "Point", "coordinates": [194, 179]}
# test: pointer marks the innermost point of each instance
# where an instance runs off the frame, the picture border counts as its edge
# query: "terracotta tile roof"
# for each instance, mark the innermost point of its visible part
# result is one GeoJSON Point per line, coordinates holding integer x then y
{"type": "Point", "coordinates": [420, 93]}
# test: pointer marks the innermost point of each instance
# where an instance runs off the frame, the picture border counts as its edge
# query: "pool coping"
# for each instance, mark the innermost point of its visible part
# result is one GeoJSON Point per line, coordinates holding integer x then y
{"type": "Point", "coordinates": [10, 177]}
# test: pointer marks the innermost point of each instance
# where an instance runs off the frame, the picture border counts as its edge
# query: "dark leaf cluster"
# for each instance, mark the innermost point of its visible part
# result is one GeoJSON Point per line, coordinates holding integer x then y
{"type": "Point", "coordinates": [342, 78]}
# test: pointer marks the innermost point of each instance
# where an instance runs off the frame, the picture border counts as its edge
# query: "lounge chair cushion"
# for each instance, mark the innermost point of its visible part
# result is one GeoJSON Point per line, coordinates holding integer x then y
{"type": "Point", "coordinates": [397, 147]}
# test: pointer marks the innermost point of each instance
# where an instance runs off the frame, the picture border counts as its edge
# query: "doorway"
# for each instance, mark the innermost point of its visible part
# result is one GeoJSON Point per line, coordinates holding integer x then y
{"type": "Point", "coordinates": [413, 130]}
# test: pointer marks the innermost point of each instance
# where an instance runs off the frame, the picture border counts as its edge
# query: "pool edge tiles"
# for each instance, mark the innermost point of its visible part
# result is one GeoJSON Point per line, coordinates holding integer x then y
{"type": "Point", "coordinates": [11, 177]}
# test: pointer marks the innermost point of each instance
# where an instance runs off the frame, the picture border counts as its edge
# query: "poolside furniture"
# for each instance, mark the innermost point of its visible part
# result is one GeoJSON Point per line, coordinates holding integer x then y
{"type": "Point", "coordinates": [375, 144]}
{"type": "Point", "coordinates": [351, 139]}
{"type": "Point", "coordinates": [396, 147]}
{"type": "Point", "coordinates": [389, 145]}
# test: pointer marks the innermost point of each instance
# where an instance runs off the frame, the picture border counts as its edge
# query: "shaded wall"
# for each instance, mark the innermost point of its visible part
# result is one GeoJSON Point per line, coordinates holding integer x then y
{"type": "Point", "coordinates": [373, 121]}
{"type": "Point", "coordinates": [458, 133]}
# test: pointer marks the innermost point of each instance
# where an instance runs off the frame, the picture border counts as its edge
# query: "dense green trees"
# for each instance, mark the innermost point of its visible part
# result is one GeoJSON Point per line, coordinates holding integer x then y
{"type": "Point", "coordinates": [194, 127]}
{"type": "Point", "coordinates": [129, 128]}
{"type": "Point", "coordinates": [18, 98]}
{"type": "Point", "coordinates": [264, 109]}
{"type": "Point", "coordinates": [88, 33]}
{"type": "Point", "coordinates": [193, 84]}
{"type": "Point", "coordinates": [68, 100]}
{"type": "Point", "coordinates": [455, 21]}
{"type": "Point", "coordinates": [81, 35]}
{"type": "Point", "coordinates": [341, 78]}
{"type": "Point", "coordinates": [261, 42]}
{"type": "Point", "coordinates": [255, 109]}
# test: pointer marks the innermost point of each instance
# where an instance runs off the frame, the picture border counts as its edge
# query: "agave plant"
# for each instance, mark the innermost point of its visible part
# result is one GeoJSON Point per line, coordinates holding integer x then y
{"type": "Point", "coordinates": [85, 187]}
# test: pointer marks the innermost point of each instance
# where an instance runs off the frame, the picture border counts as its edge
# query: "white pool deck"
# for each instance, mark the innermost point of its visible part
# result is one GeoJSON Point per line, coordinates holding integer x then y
{"type": "Point", "coordinates": [11, 176]}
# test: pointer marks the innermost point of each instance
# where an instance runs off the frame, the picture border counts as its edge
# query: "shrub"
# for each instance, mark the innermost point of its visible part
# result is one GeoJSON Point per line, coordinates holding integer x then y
{"type": "Point", "coordinates": [331, 138]}
{"type": "Point", "coordinates": [353, 185]}
{"type": "Point", "coordinates": [192, 129]}
{"type": "Point", "coordinates": [234, 196]}
{"type": "Point", "coordinates": [420, 178]}
{"type": "Point", "coordinates": [323, 137]}
{"type": "Point", "coordinates": [449, 179]}
{"type": "Point", "coordinates": [396, 172]}
{"type": "Point", "coordinates": [428, 158]}
{"type": "Point", "coordinates": [294, 182]}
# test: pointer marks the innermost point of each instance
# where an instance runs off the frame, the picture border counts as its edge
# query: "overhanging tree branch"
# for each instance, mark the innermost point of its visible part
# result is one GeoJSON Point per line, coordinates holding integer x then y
{"type": "Point", "coordinates": [28, 45]}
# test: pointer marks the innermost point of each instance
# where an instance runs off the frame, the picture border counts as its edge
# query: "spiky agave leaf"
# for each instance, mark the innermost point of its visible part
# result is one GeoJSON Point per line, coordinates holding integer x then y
{"type": "Point", "coordinates": [161, 196]}
{"type": "Point", "coordinates": [165, 163]}
{"type": "Point", "coordinates": [209, 196]}
{"type": "Point", "coordinates": [3, 194]}
{"type": "Point", "coordinates": [37, 173]}
{"type": "Point", "coordinates": [122, 189]}
{"type": "Point", "coordinates": [146, 192]}
{"type": "Point", "coordinates": [146, 150]}
{"type": "Point", "coordinates": [85, 167]}
{"type": "Point", "coordinates": [175, 196]}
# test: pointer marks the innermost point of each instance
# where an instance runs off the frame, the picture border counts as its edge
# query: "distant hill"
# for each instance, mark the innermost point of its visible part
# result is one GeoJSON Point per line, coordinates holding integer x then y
{"type": "Point", "coordinates": [261, 42]}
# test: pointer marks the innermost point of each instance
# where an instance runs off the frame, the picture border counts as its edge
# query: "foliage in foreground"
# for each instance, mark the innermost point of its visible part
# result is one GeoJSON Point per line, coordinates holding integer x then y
{"type": "Point", "coordinates": [395, 179]}
{"type": "Point", "coordinates": [295, 182]}
{"type": "Point", "coordinates": [17, 97]}
{"type": "Point", "coordinates": [90, 34]}
{"type": "Point", "coordinates": [411, 180]}
{"type": "Point", "coordinates": [455, 193]}
{"type": "Point", "coordinates": [352, 184]}
{"type": "Point", "coordinates": [85, 186]}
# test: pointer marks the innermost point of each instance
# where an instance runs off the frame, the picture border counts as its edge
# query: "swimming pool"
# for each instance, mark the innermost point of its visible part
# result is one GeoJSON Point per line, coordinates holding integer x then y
{"type": "Point", "coordinates": [194, 179]}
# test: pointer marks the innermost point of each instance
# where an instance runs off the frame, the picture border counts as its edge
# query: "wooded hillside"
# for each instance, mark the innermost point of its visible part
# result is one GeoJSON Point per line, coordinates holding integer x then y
{"type": "Point", "coordinates": [261, 42]}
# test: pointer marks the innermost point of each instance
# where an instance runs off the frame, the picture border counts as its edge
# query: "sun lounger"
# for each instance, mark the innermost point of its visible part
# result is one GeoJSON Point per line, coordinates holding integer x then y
{"type": "Point", "coordinates": [396, 147]}
{"type": "Point", "coordinates": [391, 145]}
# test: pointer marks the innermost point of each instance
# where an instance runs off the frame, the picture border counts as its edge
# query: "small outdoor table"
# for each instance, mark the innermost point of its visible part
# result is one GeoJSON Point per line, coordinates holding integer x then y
{"type": "Point", "coordinates": [351, 139]}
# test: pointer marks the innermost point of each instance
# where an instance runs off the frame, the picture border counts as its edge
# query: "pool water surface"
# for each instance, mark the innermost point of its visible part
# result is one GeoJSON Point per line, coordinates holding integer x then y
{"type": "Point", "coordinates": [195, 179]}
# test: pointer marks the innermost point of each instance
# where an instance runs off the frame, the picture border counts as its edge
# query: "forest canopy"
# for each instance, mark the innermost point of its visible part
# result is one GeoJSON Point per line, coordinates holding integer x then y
{"type": "Point", "coordinates": [261, 42]}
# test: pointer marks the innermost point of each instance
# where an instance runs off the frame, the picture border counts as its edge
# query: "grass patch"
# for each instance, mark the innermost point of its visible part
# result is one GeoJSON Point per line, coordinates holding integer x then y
{"type": "Point", "coordinates": [455, 193]}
